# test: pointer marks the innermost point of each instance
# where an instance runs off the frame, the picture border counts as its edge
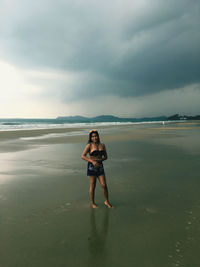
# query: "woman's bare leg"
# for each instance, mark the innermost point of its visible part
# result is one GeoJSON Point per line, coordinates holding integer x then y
{"type": "Point", "coordinates": [92, 190]}
{"type": "Point", "coordinates": [102, 180]}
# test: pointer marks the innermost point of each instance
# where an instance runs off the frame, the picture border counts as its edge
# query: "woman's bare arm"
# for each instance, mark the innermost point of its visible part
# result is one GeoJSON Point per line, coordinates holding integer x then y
{"type": "Point", "coordinates": [86, 150]}
{"type": "Point", "coordinates": [83, 156]}
{"type": "Point", "coordinates": [105, 156]}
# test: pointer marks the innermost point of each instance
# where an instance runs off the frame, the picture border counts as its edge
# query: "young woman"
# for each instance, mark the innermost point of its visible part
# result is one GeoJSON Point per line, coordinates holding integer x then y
{"type": "Point", "coordinates": [95, 169]}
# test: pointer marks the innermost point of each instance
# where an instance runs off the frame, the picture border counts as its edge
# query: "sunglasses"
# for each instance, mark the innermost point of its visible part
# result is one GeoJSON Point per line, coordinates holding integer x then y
{"type": "Point", "coordinates": [93, 130]}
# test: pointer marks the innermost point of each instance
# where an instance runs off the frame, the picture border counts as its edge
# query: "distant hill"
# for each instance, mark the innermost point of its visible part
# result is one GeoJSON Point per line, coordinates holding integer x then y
{"type": "Point", "coordinates": [107, 118]}
{"type": "Point", "coordinates": [111, 118]}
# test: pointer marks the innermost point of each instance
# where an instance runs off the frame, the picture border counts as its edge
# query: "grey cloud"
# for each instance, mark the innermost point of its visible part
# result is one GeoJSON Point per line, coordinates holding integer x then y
{"type": "Point", "coordinates": [126, 48]}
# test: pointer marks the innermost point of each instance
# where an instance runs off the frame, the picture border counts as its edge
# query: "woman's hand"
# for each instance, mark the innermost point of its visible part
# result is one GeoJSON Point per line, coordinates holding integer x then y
{"type": "Point", "coordinates": [95, 163]}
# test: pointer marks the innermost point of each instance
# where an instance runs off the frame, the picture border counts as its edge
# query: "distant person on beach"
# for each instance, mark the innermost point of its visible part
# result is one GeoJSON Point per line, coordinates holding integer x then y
{"type": "Point", "coordinates": [97, 154]}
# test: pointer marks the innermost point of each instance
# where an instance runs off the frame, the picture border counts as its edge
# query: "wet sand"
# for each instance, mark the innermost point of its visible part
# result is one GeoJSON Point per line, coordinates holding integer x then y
{"type": "Point", "coordinates": [153, 179]}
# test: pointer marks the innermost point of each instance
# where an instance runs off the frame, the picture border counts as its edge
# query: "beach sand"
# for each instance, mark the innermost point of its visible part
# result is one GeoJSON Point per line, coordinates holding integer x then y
{"type": "Point", "coordinates": [153, 178]}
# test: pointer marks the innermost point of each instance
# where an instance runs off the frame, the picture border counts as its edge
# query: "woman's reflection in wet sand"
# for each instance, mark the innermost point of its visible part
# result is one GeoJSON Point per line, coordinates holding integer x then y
{"type": "Point", "coordinates": [97, 238]}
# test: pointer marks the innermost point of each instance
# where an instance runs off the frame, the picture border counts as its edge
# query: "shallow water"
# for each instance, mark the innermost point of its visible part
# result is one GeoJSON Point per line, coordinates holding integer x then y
{"type": "Point", "coordinates": [154, 186]}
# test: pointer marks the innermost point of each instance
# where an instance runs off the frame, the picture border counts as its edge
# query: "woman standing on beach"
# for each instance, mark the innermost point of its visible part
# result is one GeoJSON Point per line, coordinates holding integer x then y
{"type": "Point", "coordinates": [95, 169]}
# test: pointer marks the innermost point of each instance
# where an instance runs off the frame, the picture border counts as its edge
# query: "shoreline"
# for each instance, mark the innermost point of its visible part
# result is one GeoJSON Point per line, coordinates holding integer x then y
{"type": "Point", "coordinates": [16, 140]}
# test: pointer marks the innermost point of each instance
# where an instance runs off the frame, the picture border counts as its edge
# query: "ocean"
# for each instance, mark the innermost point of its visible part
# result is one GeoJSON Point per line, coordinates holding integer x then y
{"type": "Point", "coordinates": [26, 124]}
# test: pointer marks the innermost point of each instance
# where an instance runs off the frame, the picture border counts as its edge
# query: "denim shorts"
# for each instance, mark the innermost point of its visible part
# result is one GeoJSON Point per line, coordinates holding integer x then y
{"type": "Point", "coordinates": [95, 170]}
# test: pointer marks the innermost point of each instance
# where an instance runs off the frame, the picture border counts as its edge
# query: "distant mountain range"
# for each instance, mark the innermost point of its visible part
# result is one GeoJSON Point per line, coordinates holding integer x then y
{"type": "Point", "coordinates": [107, 118]}
{"type": "Point", "coordinates": [110, 118]}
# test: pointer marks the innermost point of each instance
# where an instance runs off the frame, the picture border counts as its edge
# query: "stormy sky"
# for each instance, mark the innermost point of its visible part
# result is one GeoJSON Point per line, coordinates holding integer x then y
{"type": "Point", "coordinates": [129, 58]}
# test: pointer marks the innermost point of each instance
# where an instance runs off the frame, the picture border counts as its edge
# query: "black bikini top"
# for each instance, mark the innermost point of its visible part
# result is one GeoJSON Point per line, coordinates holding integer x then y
{"type": "Point", "coordinates": [97, 153]}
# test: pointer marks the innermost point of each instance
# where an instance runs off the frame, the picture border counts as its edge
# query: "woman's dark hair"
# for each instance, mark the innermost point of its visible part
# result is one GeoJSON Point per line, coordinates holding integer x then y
{"type": "Point", "coordinates": [90, 136]}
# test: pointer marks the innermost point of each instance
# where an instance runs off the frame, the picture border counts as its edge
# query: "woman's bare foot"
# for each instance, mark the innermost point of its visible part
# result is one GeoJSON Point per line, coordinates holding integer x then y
{"type": "Point", "coordinates": [108, 204]}
{"type": "Point", "coordinates": [93, 205]}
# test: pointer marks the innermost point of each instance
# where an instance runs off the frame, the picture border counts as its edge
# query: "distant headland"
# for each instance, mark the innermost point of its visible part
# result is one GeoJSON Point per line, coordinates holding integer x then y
{"type": "Point", "coordinates": [111, 118]}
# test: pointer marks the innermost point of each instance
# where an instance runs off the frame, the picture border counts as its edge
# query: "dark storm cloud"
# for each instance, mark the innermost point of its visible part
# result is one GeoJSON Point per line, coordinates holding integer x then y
{"type": "Point", "coordinates": [125, 48]}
